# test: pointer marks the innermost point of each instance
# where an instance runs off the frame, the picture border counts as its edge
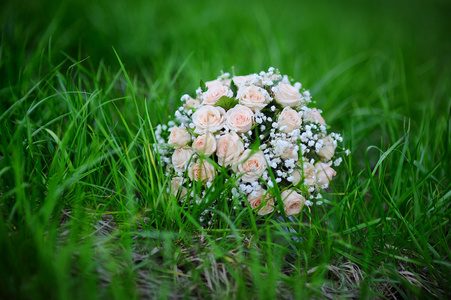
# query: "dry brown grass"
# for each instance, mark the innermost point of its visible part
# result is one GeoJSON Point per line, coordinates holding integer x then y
{"type": "Point", "coordinates": [201, 274]}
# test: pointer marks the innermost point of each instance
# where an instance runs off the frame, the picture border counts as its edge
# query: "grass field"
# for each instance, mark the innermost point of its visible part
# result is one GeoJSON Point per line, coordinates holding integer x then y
{"type": "Point", "coordinates": [83, 202]}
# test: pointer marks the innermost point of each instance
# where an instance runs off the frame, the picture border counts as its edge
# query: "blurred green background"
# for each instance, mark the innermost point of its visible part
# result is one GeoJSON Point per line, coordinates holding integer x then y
{"type": "Point", "coordinates": [320, 43]}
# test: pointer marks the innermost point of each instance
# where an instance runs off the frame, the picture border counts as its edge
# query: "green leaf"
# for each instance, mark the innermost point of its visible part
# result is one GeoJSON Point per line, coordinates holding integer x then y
{"type": "Point", "coordinates": [226, 102]}
{"type": "Point", "coordinates": [233, 87]}
{"type": "Point", "coordinates": [203, 87]}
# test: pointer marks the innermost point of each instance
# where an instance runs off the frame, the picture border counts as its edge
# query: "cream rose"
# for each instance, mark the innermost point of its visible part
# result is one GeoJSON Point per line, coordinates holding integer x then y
{"type": "Point", "coordinates": [263, 200]}
{"type": "Point", "coordinates": [205, 144]}
{"type": "Point", "coordinates": [324, 173]}
{"type": "Point", "coordinates": [287, 95]}
{"type": "Point", "coordinates": [313, 115]}
{"type": "Point", "coordinates": [208, 119]}
{"type": "Point", "coordinates": [229, 148]}
{"type": "Point", "coordinates": [191, 103]}
{"type": "Point", "coordinates": [243, 80]}
{"type": "Point", "coordinates": [289, 120]}
{"type": "Point", "coordinates": [201, 171]}
{"type": "Point", "coordinates": [290, 153]}
{"type": "Point", "coordinates": [179, 136]}
{"type": "Point", "coordinates": [285, 149]}
{"type": "Point", "coordinates": [176, 184]}
{"type": "Point", "coordinates": [214, 93]}
{"type": "Point", "coordinates": [240, 118]}
{"type": "Point", "coordinates": [251, 167]}
{"type": "Point", "coordinates": [181, 158]}
{"type": "Point", "coordinates": [309, 171]}
{"type": "Point", "coordinates": [292, 202]}
{"type": "Point", "coordinates": [328, 149]}
{"type": "Point", "coordinates": [253, 97]}
{"type": "Point", "coordinates": [212, 83]}
{"type": "Point", "coordinates": [297, 176]}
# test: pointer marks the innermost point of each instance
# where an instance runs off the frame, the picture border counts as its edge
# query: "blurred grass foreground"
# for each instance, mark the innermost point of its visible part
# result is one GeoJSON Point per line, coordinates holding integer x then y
{"type": "Point", "coordinates": [84, 208]}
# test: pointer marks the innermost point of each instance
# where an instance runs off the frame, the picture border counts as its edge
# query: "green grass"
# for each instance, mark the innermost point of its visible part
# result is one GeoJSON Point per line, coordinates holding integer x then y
{"type": "Point", "coordinates": [84, 208]}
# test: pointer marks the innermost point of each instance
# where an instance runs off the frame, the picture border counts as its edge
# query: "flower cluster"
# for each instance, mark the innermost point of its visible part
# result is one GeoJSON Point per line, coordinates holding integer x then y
{"type": "Point", "coordinates": [260, 129]}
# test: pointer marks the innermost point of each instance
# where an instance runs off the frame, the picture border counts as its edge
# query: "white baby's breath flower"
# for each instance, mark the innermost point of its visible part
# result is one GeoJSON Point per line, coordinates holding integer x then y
{"type": "Point", "coordinates": [338, 161]}
{"type": "Point", "coordinates": [307, 96]}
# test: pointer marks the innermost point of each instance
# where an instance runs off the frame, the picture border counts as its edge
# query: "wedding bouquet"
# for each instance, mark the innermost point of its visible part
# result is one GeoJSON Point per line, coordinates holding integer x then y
{"type": "Point", "coordinates": [259, 129]}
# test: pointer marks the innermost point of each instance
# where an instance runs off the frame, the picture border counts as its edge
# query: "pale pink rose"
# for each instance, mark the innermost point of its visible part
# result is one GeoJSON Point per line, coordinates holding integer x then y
{"type": "Point", "coordinates": [292, 202]}
{"type": "Point", "coordinates": [243, 80]}
{"type": "Point", "coordinates": [287, 95]}
{"type": "Point", "coordinates": [285, 149]}
{"type": "Point", "coordinates": [202, 171]}
{"type": "Point", "coordinates": [309, 172]}
{"type": "Point", "coordinates": [297, 176]}
{"type": "Point", "coordinates": [176, 187]}
{"type": "Point", "coordinates": [253, 97]}
{"type": "Point", "coordinates": [212, 83]}
{"type": "Point", "coordinates": [240, 118]}
{"type": "Point", "coordinates": [208, 119]}
{"type": "Point", "coordinates": [191, 103]}
{"type": "Point", "coordinates": [289, 120]}
{"type": "Point", "coordinates": [214, 93]}
{"type": "Point", "coordinates": [328, 149]}
{"type": "Point", "coordinates": [229, 148]}
{"type": "Point", "coordinates": [205, 144]}
{"type": "Point", "coordinates": [250, 167]}
{"type": "Point", "coordinates": [181, 157]}
{"type": "Point", "coordinates": [179, 136]}
{"type": "Point", "coordinates": [324, 173]}
{"type": "Point", "coordinates": [290, 153]}
{"type": "Point", "coordinates": [264, 200]}
{"type": "Point", "coordinates": [313, 115]}
{"type": "Point", "coordinates": [226, 81]}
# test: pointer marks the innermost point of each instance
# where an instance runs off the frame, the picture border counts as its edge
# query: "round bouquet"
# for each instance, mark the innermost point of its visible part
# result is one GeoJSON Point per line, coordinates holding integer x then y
{"type": "Point", "coordinates": [260, 131]}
